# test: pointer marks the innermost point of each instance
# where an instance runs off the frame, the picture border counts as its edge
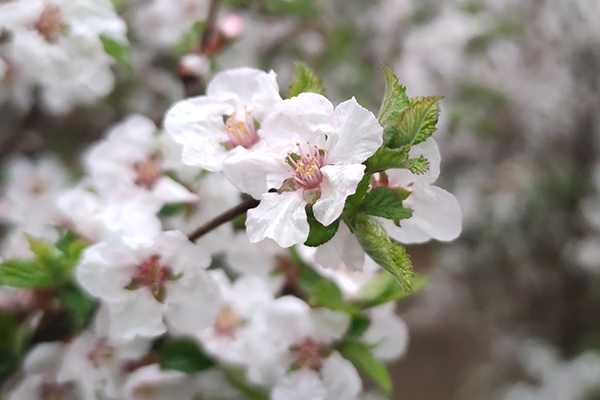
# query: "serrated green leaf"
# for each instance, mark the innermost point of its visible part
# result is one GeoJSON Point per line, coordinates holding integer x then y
{"type": "Point", "coordinates": [183, 354]}
{"type": "Point", "coordinates": [120, 52]}
{"type": "Point", "coordinates": [384, 288]}
{"type": "Point", "coordinates": [419, 165]}
{"type": "Point", "coordinates": [359, 354]}
{"type": "Point", "coordinates": [386, 158]}
{"type": "Point", "coordinates": [352, 201]}
{"type": "Point", "coordinates": [383, 202]}
{"type": "Point", "coordinates": [305, 80]}
{"type": "Point", "coordinates": [236, 376]}
{"type": "Point", "coordinates": [319, 233]}
{"type": "Point", "coordinates": [412, 121]}
{"type": "Point", "coordinates": [394, 103]}
{"type": "Point", "coordinates": [388, 254]}
{"type": "Point", "coordinates": [24, 274]}
{"type": "Point", "coordinates": [429, 125]}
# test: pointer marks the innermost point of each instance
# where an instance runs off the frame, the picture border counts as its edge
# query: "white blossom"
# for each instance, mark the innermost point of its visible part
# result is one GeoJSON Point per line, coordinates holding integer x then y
{"type": "Point", "coordinates": [313, 155]}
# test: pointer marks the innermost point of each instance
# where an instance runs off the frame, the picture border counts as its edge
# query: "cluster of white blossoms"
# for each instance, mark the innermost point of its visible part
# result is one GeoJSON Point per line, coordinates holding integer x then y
{"type": "Point", "coordinates": [56, 46]}
{"type": "Point", "coordinates": [244, 309]}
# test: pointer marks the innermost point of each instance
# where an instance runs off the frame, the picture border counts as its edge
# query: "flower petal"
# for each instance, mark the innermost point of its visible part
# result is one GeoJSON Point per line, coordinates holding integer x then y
{"type": "Point", "coordinates": [253, 88]}
{"type": "Point", "coordinates": [140, 315]}
{"type": "Point", "coordinates": [281, 217]}
{"type": "Point", "coordinates": [358, 137]}
{"type": "Point", "coordinates": [303, 384]}
{"type": "Point", "coordinates": [340, 182]}
{"type": "Point", "coordinates": [431, 151]}
{"type": "Point", "coordinates": [436, 214]}
{"type": "Point", "coordinates": [340, 378]}
{"type": "Point", "coordinates": [255, 172]}
{"type": "Point", "coordinates": [344, 248]}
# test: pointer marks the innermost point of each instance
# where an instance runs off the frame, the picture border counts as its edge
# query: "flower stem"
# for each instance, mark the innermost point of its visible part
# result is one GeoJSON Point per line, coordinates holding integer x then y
{"type": "Point", "coordinates": [227, 216]}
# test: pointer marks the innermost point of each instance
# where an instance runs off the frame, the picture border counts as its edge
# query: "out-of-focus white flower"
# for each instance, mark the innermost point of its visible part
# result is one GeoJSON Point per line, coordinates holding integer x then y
{"type": "Point", "coordinates": [312, 155]}
{"type": "Point", "coordinates": [141, 281]}
{"type": "Point", "coordinates": [152, 383]}
{"type": "Point", "coordinates": [98, 219]}
{"type": "Point", "coordinates": [226, 120]}
{"type": "Point", "coordinates": [39, 382]}
{"type": "Point", "coordinates": [32, 189]}
{"type": "Point", "coordinates": [436, 213]}
{"type": "Point", "coordinates": [228, 336]}
{"type": "Point", "coordinates": [55, 44]}
{"type": "Point", "coordinates": [388, 333]}
{"type": "Point", "coordinates": [163, 23]}
{"type": "Point", "coordinates": [130, 160]}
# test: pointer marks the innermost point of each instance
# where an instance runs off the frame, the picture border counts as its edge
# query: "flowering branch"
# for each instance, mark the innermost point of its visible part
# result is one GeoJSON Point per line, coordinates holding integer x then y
{"type": "Point", "coordinates": [227, 216]}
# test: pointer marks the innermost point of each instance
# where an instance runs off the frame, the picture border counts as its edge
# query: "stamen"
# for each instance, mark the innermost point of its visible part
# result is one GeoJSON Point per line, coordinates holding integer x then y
{"type": "Point", "coordinates": [241, 132]}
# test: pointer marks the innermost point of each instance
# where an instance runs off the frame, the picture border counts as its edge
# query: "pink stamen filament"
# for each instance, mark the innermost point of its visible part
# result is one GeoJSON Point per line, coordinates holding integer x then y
{"type": "Point", "coordinates": [241, 132]}
{"type": "Point", "coordinates": [307, 167]}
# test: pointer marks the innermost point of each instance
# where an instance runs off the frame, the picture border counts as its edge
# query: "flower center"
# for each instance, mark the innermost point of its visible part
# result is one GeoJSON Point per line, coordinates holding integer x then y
{"type": "Point", "coordinates": [153, 275]}
{"type": "Point", "coordinates": [308, 354]}
{"type": "Point", "coordinates": [306, 165]}
{"type": "Point", "coordinates": [101, 354]}
{"type": "Point", "coordinates": [50, 24]}
{"type": "Point", "coordinates": [227, 322]}
{"type": "Point", "coordinates": [148, 171]}
{"type": "Point", "coordinates": [241, 132]}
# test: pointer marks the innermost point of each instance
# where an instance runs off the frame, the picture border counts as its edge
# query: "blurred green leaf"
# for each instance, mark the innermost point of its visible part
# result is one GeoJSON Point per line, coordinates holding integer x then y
{"type": "Point", "coordinates": [191, 39]}
{"type": "Point", "coordinates": [300, 8]}
{"type": "Point", "coordinates": [305, 80]}
{"type": "Point", "coordinates": [120, 52]}
{"type": "Point", "coordinates": [236, 376]}
{"type": "Point", "coordinates": [383, 202]}
{"type": "Point", "coordinates": [359, 354]}
{"type": "Point", "coordinates": [183, 354]}
{"type": "Point", "coordinates": [171, 209]}
{"type": "Point", "coordinates": [25, 274]}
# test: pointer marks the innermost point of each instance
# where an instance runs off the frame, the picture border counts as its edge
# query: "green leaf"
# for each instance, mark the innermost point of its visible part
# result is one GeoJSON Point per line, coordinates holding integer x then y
{"type": "Point", "coordinates": [12, 343]}
{"type": "Point", "coordinates": [319, 233]}
{"type": "Point", "coordinates": [305, 80]}
{"type": "Point", "coordinates": [386, 158]}
{"type": "Point", "coordinates": [352, 201]}
{"type": "Point", "coordinates": [388, 254]}
{"type": "Point", "coordinates": [358, 324]}
{"type": "Point", "coordinates": [419, 165]}
{"type": "Point", "coordinates": [359, 354]}
{"type": "Point", "coordinates": [413, 119]}
{"type": "Point", "coordinates": [300, 8]}
{"type": "Point", "coordinates": [236, 376]}
{"type": "Point", "coordinates": [24, 274]}
{"type": "Point", "coordinates": [384, 288]}
{"type": "Point", "coordinates": [192, 38]}
{"type": "Point", "coordinates": [183, 354]}
{"type": "Point", "coordinates": [120, 52]}
{"type": "Point", "coordinates": [429, 125]}
{"type": "Point", "coordinates": [394, 103]}
{"type": "Point", "coordinates": [326, 294]}
{"type": "Point", "coordinates": [383, 202]}
{"type": "Point", "coordinates": [170, 209]}
{"type": "Point", "coordinates": [78, 301]}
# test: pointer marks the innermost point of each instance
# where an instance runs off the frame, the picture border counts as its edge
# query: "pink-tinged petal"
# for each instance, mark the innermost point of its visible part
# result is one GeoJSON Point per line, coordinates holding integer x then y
{"type": "Point", "coordinates": [197, 123]}
{"type": "Point", "coordinates": [281, 217]}
{"type": "Point", "coordinates": [303, 384]}
{"type": "Point", "coordinates": [306, 117]}
{"type": "Point", "coordinates": [255, 172]}
{"type": "Point", "coordinates": [169, 191]}
{"type": "Point", "coordinates": [193, 302]}
{"type": "Point", "coordinates": [358, 137]}
{"type": "Point", "coordinates": [430, 150]}
{"type": "Point", "coordinates": [342, 248]}
{"type": "Point", "coordinates": [140, 315]}
{"type": "Point", "coordinates": [340, 182]}
{"type": "Point", "coordinates": [436, 214]}
{"type": "Point", "coordinates": [153, 383]}
{"type": "Point", "coordinates": [388, 333]}
{"type": "Point", "coordinates": [253, 88]}
{"type": "Point", "coordinates": [340, 378]}
{"type": "Point", "coordinates": [105, 270]}
{"type": "Point", "coordinates": [328, 325]}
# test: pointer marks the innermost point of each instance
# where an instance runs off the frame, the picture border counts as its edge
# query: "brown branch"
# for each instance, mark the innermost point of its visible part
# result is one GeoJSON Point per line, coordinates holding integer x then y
{"type": "Point", "coordinates": [211, 21]}
{"type": "Point", "coordinates": [12, 139]}
{"type": "Point", "coordinates": [227, 216]}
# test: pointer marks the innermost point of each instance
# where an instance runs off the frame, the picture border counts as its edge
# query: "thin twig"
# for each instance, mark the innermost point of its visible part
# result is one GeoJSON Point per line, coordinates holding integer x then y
{"type": "Point", "coordinates": [227, 216]}
{"type": "Point", "coordinates": [211, 21]}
